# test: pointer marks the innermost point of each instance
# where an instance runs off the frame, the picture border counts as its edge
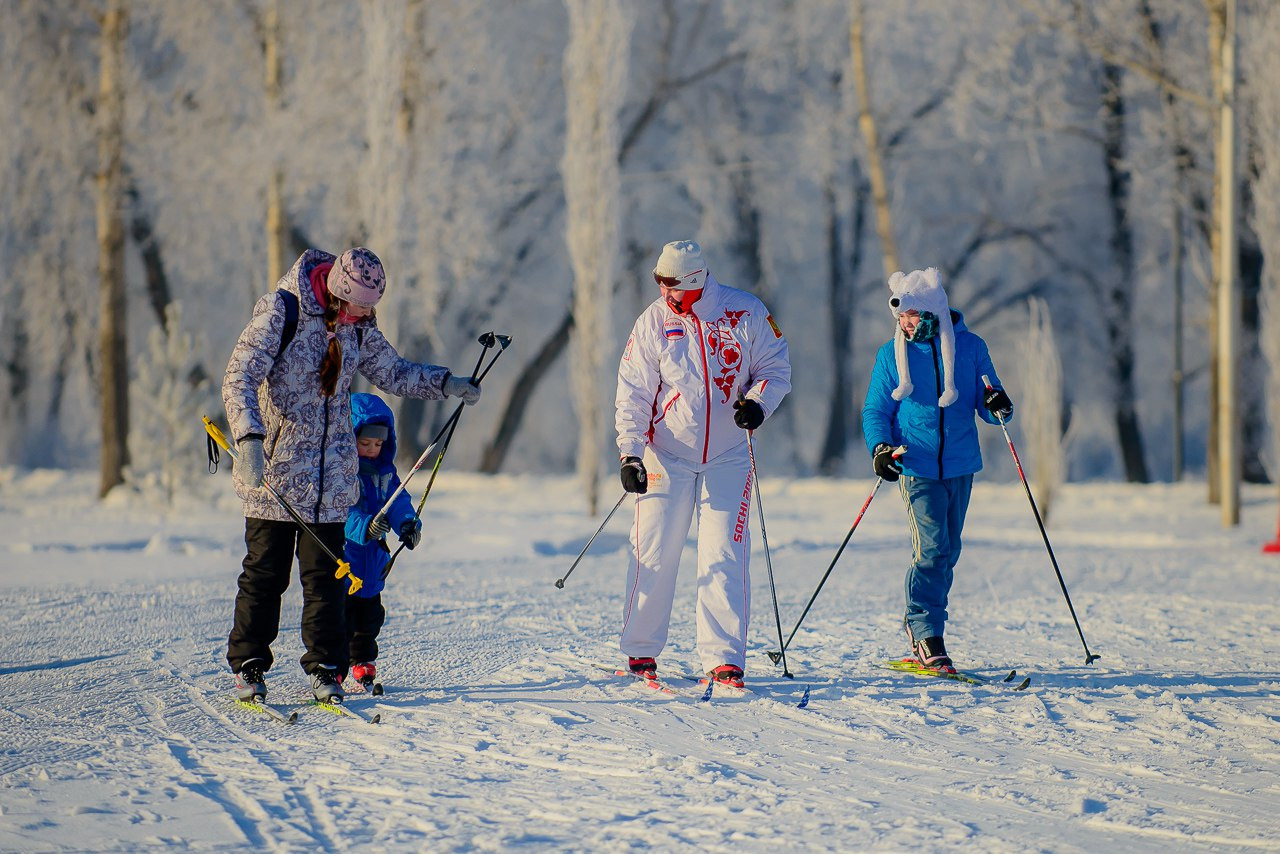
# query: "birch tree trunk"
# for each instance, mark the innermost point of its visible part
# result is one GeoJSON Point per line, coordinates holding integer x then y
{"type": "Point", "coordinates": [1228, 301]}
{"type": "Point", "coordinates": [277, 222]}
{"type": "Point", "coordinates": [595, 66]}
{"type": "Point", "coordinates": [113, 341]}
{"type": "Point", "coordinates": [1217, 27]}
{"type": "Point", "coordinates": [871, 138]}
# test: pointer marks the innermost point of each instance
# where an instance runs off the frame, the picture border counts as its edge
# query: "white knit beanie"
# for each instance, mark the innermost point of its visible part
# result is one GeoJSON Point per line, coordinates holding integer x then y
{"type": "Point", "coordinates": [682, 259]}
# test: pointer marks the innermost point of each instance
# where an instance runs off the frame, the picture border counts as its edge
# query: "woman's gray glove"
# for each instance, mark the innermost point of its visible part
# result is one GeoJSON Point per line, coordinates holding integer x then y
{"type": "Point", "coordinates": [251, 464]}
{"type": "Point", "coordinates": [462, 387]}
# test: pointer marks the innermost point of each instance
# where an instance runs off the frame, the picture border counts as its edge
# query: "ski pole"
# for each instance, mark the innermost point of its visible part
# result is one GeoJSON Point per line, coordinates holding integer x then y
{"type": "Point", "coordinates": [768, 562]}
{"type": "Point", "coordinates": [560, 581]}
{"type": "Point", "coordinates": [503, 341]}
{"type": "Point", "coordinates": [344, 568]}
{"type": "Point", "coordinates": [1089, 657]}
{"type": "Point", "coordinates": [487, 340]}
{"type": "Point", "coordinates": [775, 656]}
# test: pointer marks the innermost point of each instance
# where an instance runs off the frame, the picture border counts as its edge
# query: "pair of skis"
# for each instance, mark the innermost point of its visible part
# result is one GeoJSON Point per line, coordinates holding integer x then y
{"type": "Point", "coordinates": [910, 665]}
{"type": "Point", "coordinates": [288, 716]}
{"type": "Point", "coordinates": [706, 690]}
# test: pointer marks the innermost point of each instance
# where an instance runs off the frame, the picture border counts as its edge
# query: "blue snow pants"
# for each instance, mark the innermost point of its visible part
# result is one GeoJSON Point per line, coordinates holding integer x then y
{"type": "Point", "coordinates": [935, 515]}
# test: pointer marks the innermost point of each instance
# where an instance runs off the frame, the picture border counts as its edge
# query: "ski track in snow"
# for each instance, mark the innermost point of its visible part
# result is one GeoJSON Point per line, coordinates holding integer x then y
{"type": "Point", "coordinates": [499, 732]}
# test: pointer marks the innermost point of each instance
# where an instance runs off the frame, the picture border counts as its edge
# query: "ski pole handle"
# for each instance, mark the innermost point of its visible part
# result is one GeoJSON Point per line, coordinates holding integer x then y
{"type": "Point", "coordinates": [489, 339]}
{"type": "Point", "coordinates": [218, 436]}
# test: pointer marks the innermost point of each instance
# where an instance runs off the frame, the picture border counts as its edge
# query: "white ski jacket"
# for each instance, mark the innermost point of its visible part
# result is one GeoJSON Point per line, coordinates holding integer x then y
{"type": "Point", "coordinates": [680, 374]}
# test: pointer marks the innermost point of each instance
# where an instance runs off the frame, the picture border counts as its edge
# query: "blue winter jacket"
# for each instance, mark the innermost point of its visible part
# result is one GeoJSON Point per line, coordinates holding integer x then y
{"type": "Point", "coordinates": [941, 442]}
{"type": "Point", "coordinates": [378, 479]}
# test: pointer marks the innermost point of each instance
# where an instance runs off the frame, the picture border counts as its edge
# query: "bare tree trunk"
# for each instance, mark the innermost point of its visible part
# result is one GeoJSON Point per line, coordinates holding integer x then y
{"type": "Point", "coordinates": [842, 302]}
{"type": "Point", "coordinates": [1228, 302]}
{"type": "Point", "coordinates": [1217, 10]}
{"type": "Point", "coordinates": [277, 222]}
{"type": "Point", "coordinates": [140, 229]}
{"type": "Point", "coordinates": [1119, 301]}
{"type": "Point", "coordinates": [113, 343]}
{"type": "Point", "coordinates": [870, 138]}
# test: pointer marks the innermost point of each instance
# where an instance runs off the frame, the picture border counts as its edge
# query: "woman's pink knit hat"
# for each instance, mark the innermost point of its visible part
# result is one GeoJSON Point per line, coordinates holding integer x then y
{"type": "Point", "coordinates": [357, 277]}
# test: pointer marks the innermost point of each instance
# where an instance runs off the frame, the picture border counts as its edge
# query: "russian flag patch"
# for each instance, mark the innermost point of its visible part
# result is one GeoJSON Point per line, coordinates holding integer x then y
{"type": "Point", "coordinates": [673, 329]}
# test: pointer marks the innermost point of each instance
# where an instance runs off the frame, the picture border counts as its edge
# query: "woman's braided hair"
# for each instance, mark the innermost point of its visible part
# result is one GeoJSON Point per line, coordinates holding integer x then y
{"type": "Point", "coordinates": [331, 367]}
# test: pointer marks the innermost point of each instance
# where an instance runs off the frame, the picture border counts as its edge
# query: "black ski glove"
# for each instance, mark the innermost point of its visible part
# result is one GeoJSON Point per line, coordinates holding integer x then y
{"type": "Point", "coordinates": [634, 477]}
{"type": "Point", "coordinates": [747, 413]}
{"type": "Point", "coordinates": [997, 402]}
{"type": "Point", "coordinates": [883, 462]}
{"type": "Point", "coordinates": [411, 533]}
{"type": "Point", "coordinates": [378, 528]}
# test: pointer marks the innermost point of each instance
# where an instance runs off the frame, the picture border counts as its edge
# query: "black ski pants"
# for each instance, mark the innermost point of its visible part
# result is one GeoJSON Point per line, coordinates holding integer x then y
{"type": "Point", "coordinates": [267, 565]}
{"type": "Point", "coordinates": [364, 620]}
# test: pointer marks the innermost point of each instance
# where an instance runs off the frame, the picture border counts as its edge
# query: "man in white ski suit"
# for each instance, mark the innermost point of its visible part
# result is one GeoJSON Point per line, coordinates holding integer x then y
{"type": "Point", "coordinates": [704, 363]}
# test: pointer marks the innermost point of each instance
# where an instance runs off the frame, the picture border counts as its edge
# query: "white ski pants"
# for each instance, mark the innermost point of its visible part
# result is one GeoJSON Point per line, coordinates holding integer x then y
{"type": "Point", "coordinates": [720, 492]}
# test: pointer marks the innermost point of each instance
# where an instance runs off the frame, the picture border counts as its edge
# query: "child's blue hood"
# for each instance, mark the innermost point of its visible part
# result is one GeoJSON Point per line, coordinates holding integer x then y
{"type": "Point", "coordinates": [371, 409]}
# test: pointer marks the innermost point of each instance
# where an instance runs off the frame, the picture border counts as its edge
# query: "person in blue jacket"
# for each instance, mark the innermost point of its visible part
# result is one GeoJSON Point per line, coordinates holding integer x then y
{"type": "Point", "coordinates": [935, 421]}
{"type": "Point", "coordinates": [366, 546]}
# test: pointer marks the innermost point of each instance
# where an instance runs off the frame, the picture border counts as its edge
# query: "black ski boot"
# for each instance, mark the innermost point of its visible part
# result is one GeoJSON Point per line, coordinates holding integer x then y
{"type": "Point", "coordinates": [932, 653]}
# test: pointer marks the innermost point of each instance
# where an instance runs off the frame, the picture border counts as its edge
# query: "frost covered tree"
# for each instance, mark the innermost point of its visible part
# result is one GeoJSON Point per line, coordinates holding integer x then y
{"type": "Point", "coordinates": [1260, 47]}
{"type": "Point", "coordinates": [1040, 405]}
{"type": "Point", "coordinates": [170, 394]}
{"type": "Point", "coordinates": [595, 74]}
{"type": "Point", "coordinates": [437, 134]}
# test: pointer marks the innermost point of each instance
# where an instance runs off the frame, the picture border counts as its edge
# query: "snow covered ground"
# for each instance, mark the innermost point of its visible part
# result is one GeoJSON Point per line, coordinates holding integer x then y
{"type": "Point", "coordinates": [117, 731]}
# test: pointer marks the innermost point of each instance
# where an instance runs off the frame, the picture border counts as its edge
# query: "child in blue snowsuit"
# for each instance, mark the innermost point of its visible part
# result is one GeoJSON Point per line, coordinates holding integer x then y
{"type": "Point", "coordinates": [934, 418]}
{"type": "Point", "coordinates": [366, 548]}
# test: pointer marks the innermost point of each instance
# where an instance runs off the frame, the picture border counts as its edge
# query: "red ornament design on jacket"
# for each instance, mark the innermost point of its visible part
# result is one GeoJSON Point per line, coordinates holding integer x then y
{"type": "Point", "coordinates": [727, 350]}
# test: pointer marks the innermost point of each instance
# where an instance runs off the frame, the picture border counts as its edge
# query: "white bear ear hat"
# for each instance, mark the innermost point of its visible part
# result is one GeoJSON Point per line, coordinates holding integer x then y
{"type": "Point", "coordinates": [922, 291]}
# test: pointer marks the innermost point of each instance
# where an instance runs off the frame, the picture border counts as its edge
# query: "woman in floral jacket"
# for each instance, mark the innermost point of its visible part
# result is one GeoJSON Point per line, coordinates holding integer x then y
{"type": "Point", "coordinates": [289, 411]}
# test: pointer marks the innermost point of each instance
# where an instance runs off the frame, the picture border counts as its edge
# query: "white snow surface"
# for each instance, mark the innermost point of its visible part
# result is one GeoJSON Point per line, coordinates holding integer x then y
{"type": "Point", "coordinates": [118, 732]}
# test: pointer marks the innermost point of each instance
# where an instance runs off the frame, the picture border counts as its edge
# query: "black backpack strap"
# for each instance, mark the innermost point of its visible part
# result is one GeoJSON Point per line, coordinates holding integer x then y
{"type": "Point", "coordinates": [290, 320]}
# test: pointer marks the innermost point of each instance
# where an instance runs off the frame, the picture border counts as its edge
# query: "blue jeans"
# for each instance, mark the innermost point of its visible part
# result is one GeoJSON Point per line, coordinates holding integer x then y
{"type": "Point", "coordinates": [935, 515]}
